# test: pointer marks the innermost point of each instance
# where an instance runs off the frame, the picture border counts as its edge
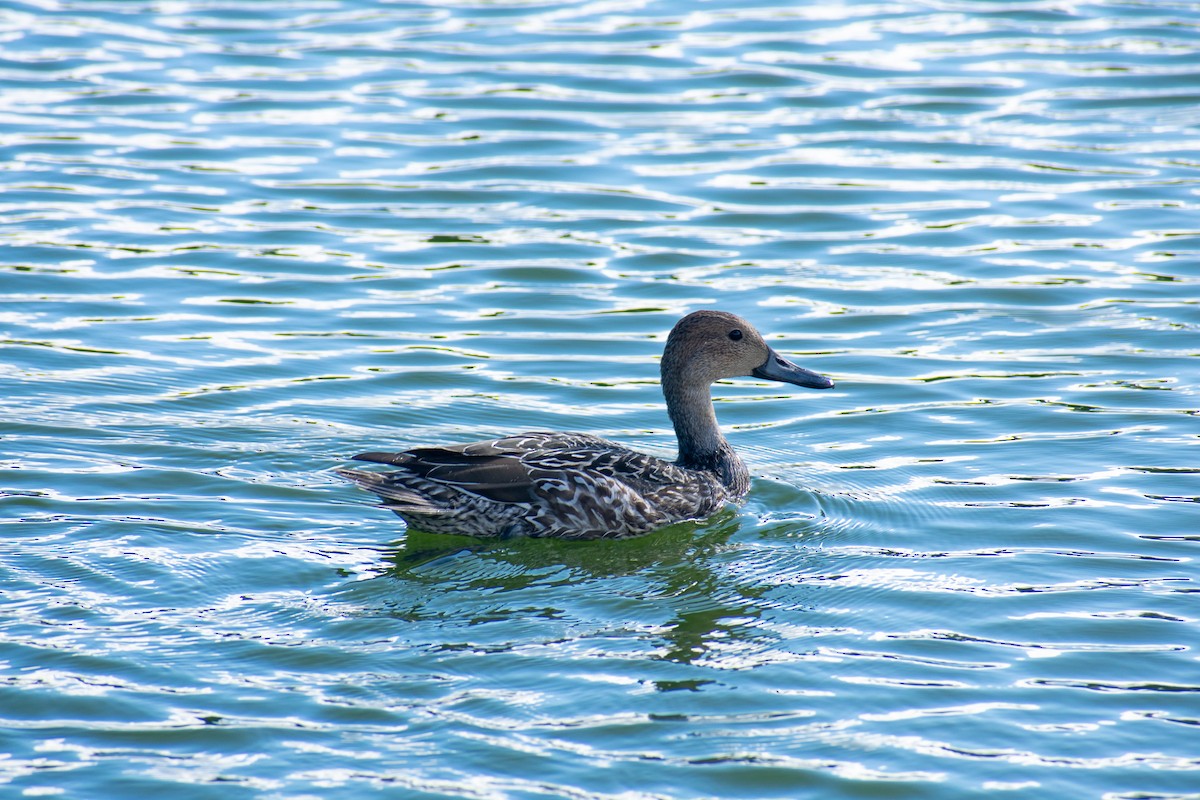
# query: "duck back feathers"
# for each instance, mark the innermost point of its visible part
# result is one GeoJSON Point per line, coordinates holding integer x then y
{"type": "Point", "coordinates": [563, 485]}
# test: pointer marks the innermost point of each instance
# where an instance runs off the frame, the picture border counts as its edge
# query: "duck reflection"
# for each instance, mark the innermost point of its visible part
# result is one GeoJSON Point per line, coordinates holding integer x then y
{"type": "Point", "coordinates": [672, 569]}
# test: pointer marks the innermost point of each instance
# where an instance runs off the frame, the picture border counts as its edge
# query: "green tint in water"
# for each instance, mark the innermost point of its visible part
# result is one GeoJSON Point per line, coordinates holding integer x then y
{"type": "Point", "coordinates": [241, 243]}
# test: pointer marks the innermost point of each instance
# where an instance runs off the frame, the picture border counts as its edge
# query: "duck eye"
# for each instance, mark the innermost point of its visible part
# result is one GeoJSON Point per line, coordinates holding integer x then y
{"type": "Point", "coordinates": [735, 335]}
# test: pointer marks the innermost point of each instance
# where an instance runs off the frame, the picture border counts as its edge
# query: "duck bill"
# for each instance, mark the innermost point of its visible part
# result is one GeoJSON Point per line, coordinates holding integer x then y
{"type": "Point", "coordinates": [778, 368]}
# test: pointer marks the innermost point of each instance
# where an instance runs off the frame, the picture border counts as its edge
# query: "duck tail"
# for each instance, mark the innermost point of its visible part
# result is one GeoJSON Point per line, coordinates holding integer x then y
{"type": "Point", "coordinates": [395, 497]}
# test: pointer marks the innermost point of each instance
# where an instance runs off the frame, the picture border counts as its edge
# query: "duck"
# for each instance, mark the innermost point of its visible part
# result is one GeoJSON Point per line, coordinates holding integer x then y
{"type": "Point", "coordinates": [579, 486]}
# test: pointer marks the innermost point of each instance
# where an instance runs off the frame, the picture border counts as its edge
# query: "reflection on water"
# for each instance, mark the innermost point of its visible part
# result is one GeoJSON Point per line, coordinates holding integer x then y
{"type": "Point", "coordinates": [670, 570]}
{"type": "Point", "coordinates": [244, 241]}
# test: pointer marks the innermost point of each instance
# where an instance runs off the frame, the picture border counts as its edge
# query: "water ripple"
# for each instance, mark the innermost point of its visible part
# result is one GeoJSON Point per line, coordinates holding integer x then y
{"type": "Point", "coordinates": [245, 241]}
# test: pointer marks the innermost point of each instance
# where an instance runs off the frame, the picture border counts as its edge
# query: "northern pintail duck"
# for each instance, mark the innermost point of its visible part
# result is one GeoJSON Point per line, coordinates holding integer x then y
{"type": "Point", "coordinates": [578, 486]}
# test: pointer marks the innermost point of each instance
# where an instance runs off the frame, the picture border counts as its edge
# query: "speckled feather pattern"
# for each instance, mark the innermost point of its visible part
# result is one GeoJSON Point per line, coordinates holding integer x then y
{"type": "Point", "coordinates": [578, 486]}
{"type": "Point", "coordinates": [563, 485]}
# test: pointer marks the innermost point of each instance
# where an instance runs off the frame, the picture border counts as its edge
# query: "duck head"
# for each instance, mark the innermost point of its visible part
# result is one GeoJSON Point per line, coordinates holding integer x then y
{"type": "Point", "coordinates": [706, 346]}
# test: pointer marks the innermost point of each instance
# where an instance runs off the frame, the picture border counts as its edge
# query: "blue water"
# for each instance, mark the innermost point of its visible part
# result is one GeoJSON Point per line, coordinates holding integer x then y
{"type": "Point", "coordinates": [242, 241]}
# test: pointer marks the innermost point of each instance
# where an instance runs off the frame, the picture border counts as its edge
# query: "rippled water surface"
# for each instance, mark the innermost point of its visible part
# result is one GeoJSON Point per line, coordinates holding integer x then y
{"type": "Point", "coordinates": [242, 241]}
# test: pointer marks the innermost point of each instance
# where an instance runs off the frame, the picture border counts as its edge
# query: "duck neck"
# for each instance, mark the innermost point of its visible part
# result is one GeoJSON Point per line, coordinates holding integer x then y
{"type": "Point", "coordinates": [701, 445]}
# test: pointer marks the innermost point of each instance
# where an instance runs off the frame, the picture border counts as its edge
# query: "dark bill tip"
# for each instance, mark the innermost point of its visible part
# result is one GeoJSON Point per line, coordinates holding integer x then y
{"type": "Point", "coordinates": [778, 368]}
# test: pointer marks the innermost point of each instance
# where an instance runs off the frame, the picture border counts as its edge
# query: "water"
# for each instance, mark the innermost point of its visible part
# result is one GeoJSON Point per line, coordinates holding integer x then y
{"type": "Point", "coordinates": [243, 241]}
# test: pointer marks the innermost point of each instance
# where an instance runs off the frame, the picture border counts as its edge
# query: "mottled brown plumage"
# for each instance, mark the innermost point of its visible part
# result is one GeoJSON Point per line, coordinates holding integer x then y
{"type": "Point", "coordinates": [577, 486]}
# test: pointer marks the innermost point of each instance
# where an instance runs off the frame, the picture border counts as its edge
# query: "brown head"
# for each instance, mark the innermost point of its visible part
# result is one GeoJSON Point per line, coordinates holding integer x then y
{"type": "Point", "coordinates": [706, 346]}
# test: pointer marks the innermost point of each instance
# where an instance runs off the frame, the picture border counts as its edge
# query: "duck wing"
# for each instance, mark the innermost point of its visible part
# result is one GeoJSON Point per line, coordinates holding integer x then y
{"type": "Point", "coordinates": [571, 485]}
{"type": "Point", "coordinates": [492, 470]}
